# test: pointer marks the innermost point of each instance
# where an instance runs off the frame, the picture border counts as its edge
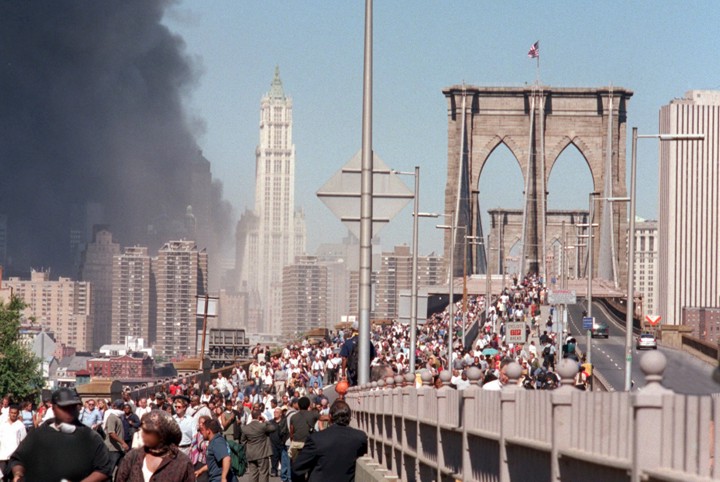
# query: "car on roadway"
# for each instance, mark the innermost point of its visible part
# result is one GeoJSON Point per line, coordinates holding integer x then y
{"type": "Point", "coordinates": [646, 340]}
{"type": "Point", "coordinates": [599, 328]}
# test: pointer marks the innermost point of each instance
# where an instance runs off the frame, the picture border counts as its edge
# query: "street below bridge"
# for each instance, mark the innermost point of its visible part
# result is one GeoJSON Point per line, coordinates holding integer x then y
{"type": "Point", "coordinates": [684, 373]}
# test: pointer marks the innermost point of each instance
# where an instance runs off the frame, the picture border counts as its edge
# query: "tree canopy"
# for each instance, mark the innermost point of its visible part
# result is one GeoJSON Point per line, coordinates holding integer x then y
{"type": "Point", "coordinates": [20, 370]}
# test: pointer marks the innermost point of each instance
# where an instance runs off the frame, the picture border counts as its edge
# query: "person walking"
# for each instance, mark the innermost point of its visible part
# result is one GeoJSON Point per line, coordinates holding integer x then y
{"type": "Point", "coordinates": [159, 459]}
{"type": "Point", "coordinates": [257, 447]}
{"type": "Point", "coordinates": [277, 439]}
{"type": "Point", "coordinates": [115, 433]}
{"type": "Point", "coordinates": [12, 432]}
{"type": "Point", "coordinates": [67, 448]}
{"type": "Point", "coordinates": [218, 458]}
{"type": "Point", "coordinates": [331, 454]}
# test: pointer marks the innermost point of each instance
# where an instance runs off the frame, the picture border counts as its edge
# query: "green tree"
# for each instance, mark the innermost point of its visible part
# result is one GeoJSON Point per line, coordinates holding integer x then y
{"type": "Point", "coordinates": [20, 372]}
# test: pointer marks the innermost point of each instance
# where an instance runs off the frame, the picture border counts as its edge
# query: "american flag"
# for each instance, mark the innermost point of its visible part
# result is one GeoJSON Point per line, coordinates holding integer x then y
{"type": "Point", "coordinates": [534, 51]}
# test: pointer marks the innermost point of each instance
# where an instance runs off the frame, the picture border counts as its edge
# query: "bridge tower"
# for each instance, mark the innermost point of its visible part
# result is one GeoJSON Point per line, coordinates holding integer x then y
{"type": "Point", "coordinates": [536, 123]}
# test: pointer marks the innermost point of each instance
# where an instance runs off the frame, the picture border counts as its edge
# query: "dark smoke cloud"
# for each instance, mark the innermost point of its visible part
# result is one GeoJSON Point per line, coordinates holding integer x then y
{"type": "Point", "coordinates": [91, 112]}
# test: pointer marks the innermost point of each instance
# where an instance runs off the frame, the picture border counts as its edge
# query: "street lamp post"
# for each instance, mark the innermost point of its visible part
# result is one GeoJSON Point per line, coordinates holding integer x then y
{"type": "Point", "coordinates": [469, 241]}
{"type": "Point", "coordinates": [415, 248]}
{"type": "Point", "coordinates": [413, 282]}
{"type": "Point", "coordinates": [451, 288]}
{"type": "Point", "coordinates": [629, 315]}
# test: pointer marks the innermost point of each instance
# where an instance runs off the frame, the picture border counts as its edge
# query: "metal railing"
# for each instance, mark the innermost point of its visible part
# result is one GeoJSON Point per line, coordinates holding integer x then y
{"type": "Point", "coordinates": [425, 434]}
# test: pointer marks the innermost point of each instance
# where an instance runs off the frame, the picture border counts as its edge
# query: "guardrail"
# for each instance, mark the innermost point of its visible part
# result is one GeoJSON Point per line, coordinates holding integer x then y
{"type": "Point", "coordinates": [706, 348]}
{"type": "Point", "coordinates": [443, 434]}
{"type": "Point", "coordinates": [618, 310]}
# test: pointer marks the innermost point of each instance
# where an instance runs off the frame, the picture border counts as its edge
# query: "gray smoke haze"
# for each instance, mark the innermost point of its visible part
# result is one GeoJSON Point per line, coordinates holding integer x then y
{"type": "Point", "coordinates": [91, 112]}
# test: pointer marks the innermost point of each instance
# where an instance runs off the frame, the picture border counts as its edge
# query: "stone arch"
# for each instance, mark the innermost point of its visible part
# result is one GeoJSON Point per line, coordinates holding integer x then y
{"type": "Point", "coordinates": [487, 150]}
{"type": "Point", "coordinates": [552, 155]}
{"type": "Point", "coordinates": [592, 119]}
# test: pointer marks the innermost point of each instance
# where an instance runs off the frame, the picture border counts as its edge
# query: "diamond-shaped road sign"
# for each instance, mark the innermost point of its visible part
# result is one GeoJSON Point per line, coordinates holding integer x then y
{"type": "Point", "coordinates": [341, 193]}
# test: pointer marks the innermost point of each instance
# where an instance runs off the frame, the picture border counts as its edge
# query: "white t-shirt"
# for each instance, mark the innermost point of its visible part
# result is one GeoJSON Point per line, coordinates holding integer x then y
{"type": "Point", "coordinates": [11, 434]}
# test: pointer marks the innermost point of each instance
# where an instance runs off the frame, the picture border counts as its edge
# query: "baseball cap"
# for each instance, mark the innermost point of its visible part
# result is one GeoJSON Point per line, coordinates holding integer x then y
{"type": "Point", "coordinates": [65, 397]}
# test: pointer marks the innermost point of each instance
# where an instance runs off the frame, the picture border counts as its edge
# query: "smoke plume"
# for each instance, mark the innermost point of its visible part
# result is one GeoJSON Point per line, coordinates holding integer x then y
{"type": "Point", "coordinates": [91, 114]}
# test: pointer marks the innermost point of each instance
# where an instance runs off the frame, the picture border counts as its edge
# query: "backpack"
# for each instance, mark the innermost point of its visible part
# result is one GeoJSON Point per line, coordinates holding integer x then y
{"type": "Point", "coordinates": [353, 357]}
{"type": "Point", "coordinates": [238, 458]}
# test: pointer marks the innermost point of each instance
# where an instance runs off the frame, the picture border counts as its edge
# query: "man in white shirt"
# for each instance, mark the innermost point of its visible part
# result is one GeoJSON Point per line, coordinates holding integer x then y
{"type": "Point", "coordinates": [188, 425]}
{"type": "Point", "coordinates": [12, 432]}
{"type": "Point", "coordinates": [142, 407]}
{"type": "Point", "coordinates": [460, 380]}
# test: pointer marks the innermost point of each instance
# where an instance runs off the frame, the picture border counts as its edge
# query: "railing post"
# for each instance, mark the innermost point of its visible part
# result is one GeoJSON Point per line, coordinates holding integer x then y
{"type": "Point", "coordinates": [468, 414]}
{"type": "Point", "coordinates": [648, 408]}
{"type": "Point", "coordinates": [561, 400]}
{"type": "Point", "coordinates": [508, 398]}
{"type": "Point", "coordinates": [409, 429]}
{"type": "Point", "coordinates": [423, 394]}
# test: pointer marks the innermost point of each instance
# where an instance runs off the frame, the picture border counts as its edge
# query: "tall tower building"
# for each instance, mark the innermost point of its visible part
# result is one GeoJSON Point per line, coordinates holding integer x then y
{"type": "Point", "coordinates": [270, 237]}
{"type": "Point", "coordinates": [689, 273]}
{"type": "Point", "coordinates": [96, 267]}
{"type": "Point", "coordinates": [646, 264]}
{"type": "Point", "coordinates": [62, 306]}
{"type": "Point", "coordinates": [395, 275]}
{"type": "Point", "coordinates": [131, 295]}
{"type": "Point", "coordinates": [181, 273]}
{"type": "Point", "coordinates": [305, 290]}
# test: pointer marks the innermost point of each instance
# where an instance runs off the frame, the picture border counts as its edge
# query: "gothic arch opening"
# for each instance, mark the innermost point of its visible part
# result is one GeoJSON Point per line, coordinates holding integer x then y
{"type": "Point", "coordinates": [500, 184]}
{"type": "Point", "coordinates": [500, 187]}
{"type": "Point", "coordinates": [512, 259]}
{"type": "Point", "coordinates": [569, 183]}
{"type": "Point", "coordinates": [569, 180]}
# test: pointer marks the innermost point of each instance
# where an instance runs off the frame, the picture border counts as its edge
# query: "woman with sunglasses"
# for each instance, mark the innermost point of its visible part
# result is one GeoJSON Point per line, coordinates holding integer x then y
{"type": "Point", "coordinates": [159, 459]}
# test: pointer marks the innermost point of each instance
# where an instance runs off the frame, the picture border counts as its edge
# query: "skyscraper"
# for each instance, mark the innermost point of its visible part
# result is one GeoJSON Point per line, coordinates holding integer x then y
{"type": "Point", "coordinates": [646, 262]}
{"type": "Point", "coordinates": [181, 273]}
{"type": "Point", "coordinates": [272, 235]}
{"type": "Point", "coordinates": [96, 267]}
{"type": "Point", "coordinates": [131, 307]}
{"type": "Point", "coordinates": [689, 273]}
{"type": "Point", "coordinates": [304, 302]}
{"type": "Point", "coordinates": [395, 275]}
{"type": "Point", "coordinates": [62, 306]}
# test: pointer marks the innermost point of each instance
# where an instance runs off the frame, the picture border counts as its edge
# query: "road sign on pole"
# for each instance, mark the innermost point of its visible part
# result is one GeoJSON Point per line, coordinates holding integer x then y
{"type": "Point", "coordinates": [653, 319]}
{"type": "Point", "coordinates": [341, 193]}
{"type": "Point", "coordinates": [588, 322]}
{"type": "Point", "coordinates": [562, 297]}
{"type": "Point", "coordinates": [515, 332]}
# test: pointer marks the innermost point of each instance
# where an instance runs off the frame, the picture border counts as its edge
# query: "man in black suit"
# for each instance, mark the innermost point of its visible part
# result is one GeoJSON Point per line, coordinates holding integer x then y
{"type": "Point", "coordinates": [257, 447]}
{"type": "Point", "coordinates": [331, 453]}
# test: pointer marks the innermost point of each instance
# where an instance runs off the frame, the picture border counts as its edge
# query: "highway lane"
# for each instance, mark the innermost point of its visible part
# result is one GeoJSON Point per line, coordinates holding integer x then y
{"type": "Point", "coordinates": [684, 373]}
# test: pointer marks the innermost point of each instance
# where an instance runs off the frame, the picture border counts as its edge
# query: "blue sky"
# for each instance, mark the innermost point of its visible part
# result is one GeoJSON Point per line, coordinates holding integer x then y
{"type": "Point", "coordinates": [657, 49]}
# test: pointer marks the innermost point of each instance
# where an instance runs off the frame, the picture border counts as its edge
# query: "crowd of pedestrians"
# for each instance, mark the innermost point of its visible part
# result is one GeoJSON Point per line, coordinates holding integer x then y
{"type": "Point", "coordinates": [276, 409]}
{"type": "Point", "coordinates": [521, 301]}
{"type": "Point", "coordinates": [190, 430]}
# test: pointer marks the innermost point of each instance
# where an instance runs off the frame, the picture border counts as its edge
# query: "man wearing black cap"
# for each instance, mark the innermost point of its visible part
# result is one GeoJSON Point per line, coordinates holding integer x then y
{"type": "Point", "coordinates": [159, 400]}
{"type": "Point", "coordinates": [67, 448]}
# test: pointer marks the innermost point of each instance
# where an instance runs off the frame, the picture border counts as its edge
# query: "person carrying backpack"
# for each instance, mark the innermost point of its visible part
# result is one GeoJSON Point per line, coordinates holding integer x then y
{"type": "Point", "coordinates": [218, 455]}
{"type": "Point", "coordinates": [351, 356]}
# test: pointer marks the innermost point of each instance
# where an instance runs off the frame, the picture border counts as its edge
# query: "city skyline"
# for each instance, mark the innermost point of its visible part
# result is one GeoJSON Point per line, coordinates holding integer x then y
{"type": "Point", "coordinates": [324, 73]}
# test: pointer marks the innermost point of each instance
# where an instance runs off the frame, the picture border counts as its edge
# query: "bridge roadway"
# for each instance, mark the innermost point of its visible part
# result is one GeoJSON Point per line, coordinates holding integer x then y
{"type": "Point", "coordinates": [684, 373]}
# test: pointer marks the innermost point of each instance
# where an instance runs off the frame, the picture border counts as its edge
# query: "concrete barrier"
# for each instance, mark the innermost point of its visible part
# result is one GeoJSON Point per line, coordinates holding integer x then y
{"type": "Point", "coordinates": [426, 434]}
{"type": "Point", "coordinates": [367, 470]}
